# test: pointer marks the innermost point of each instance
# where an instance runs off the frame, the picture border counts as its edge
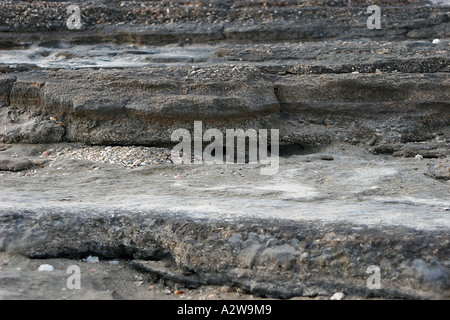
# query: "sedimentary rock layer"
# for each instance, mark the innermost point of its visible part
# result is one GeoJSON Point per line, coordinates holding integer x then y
{"type": "Point", "coordinates": [143, 106]}
{"type": "Point", "coordinates": [153, 22]}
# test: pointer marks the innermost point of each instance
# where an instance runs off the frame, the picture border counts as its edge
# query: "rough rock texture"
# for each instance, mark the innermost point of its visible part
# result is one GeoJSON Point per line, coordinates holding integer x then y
{"type": "Point", "coordinates": [153, 22]}
{"type": "Point", "coordinates": [309, 90]}
{"type": "Point", "coordinates": [364, 120]}
{"type": "Point", "coordinates": [390, 108]}
{"type": "Point", "coordinates": [132, 107]}
{"type": "Point", "coordinates": [144, 106]}
{"type": "Point", "coordinates": [270, 258]}
{"type": "Point", "coordinates": [312, 229]}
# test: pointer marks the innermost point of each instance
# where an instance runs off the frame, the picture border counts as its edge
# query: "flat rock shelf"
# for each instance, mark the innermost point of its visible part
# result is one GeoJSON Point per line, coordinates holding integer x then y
{"type": "Point", "coordinates": [87, 176]}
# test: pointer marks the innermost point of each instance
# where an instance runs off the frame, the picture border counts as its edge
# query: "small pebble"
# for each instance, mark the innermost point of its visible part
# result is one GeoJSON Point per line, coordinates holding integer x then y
{"type": "Point", "coordinates": [92, 259]}
{"type": "Point", "coordinates": [179, 292]}
{"type": "Point", "coordinates": [436, 41]}
{"type": "Point", "coordinates": [45, 268]}
{"type": "Point", "coordinates": [337, 296]}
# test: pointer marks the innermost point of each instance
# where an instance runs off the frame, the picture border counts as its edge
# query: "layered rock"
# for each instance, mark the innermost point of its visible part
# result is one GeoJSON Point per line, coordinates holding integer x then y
{"type": "Point", "coordinates": [143, 106]}
{"type": "Point", "coordinates": [153, 22]}
{"type": "Point", "coordinates": [363, 118]}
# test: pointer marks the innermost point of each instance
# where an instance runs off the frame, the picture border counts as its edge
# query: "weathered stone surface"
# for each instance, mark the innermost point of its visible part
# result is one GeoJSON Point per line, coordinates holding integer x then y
{"type": "Point", "coordinates": [390, 108]}
{"type": "Point", "coordinates": [440, 169]}
{"type": "Point", "coordinates": [312, 229]}
{"type": "Point", "coordinates": [178, 21]}
{"type": "Point", "coordinates": [144, 106]}
{"type": "Point", "coordinates": [9, 164]}
{"type": "Point", "coordinates": [133, 107]}
{"type": "Point", "coordinates": [341, 56]}
{"type": "Point", "coordinates": [5, 90]}
{"type": "Point", "coordinates": [32, 131]}
{"type": "Point", "coordinates": [279, 272]}
{"type": "Point", "coordinates": [364, 125]}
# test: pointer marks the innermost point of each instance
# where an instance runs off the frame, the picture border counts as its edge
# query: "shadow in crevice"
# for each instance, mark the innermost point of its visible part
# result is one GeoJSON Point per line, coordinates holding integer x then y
{"type": "Point", "coordinates": [294, 149]}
